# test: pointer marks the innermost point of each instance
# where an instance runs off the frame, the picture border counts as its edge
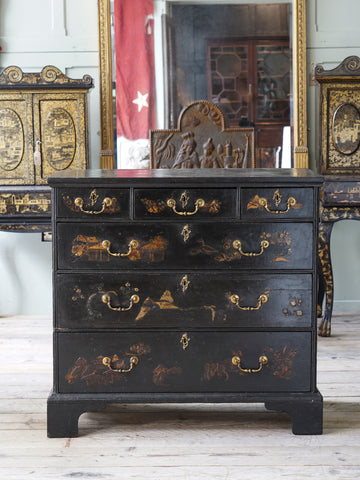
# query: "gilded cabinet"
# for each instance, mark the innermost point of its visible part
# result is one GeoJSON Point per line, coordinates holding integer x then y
{"type": "Point", "coordinates": [185, 286]}
{"type": "Point", "coordinates": [339, 163]}
{"type": "Point", "coordinates": [43, 130]}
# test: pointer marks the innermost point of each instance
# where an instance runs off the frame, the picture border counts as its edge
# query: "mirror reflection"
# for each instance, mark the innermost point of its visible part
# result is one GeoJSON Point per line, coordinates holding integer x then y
{"type": "Point", "coordinates": [167, 54]}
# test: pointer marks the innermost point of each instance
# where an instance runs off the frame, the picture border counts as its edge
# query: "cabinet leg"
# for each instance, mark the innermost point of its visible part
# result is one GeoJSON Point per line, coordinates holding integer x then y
{"type": "Point", "coordinates": [326, 277]}
{"type": "Point", "coordinates": [306, 413]}
{"type": "Point", "coordinates": [63, 417]}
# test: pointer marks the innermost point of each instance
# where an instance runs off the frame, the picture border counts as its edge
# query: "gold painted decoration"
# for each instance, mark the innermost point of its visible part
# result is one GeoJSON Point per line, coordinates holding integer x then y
{"type": "Point", "coordinates": [25, 203]}
{"type": "Point", "coordinates": [12, 140]}
{"type": "Point", "coordinates": [346, 128]}
{"type": "Point", "coordinates": [106, 370]}
{"type": "Point", "coordinates": [340, 117]}
{"type": "Point", "coordinates": [43, 124]}
{"type": "Point", "coordinates": [98, 250]}
{"type": "Point", "coordinates": [59, 139]}
{"type": "Point", "coordinates": [278, 363]}
{"type": "Point", "coordinates": [278, 245]}
{"type": "Point", "coordinates": [272, 205]}
{"type": "Point", "coordinates": [161, 373]}
{"type": "Point", "coordinates": [13, 75]}
{"type": "Point", "coordinates": [166, 302]}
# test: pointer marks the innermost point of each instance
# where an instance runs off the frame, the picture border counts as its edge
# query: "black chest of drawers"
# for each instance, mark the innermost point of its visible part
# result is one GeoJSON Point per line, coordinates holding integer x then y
{"type": "Point", "coordinates": [185, 286]}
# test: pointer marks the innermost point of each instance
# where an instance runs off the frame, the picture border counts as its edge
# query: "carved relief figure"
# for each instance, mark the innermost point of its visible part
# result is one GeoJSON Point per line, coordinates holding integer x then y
{"type": "Point", "coordinates": [210, 158]}
{"type": "Point", "coordinates": [202, 133]}
{"type": "Point", "coordinates": [187, 156]}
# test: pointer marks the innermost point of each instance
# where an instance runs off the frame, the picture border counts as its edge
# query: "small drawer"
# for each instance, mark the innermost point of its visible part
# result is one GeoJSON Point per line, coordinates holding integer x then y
{"type": "Point", "coordinates": [93, 204]}
{"type": "Point", "coordinates": [277, 203]}
{"type": "Point", "coordinates": [182, 300]}
{"type": "Point", "coordinates": [183, 361]}
{"type": "Point", "coordinates": [185, 203]}
{"type": "Point", "coordinates": [185, 246]}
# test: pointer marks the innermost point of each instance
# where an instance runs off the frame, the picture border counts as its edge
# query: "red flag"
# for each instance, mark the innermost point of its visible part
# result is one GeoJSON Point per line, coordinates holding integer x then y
{"type": "Point", "coordinates": [135, 68]}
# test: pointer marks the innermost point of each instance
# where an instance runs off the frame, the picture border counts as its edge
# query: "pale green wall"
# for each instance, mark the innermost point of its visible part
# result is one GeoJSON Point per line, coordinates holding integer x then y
{"type": "Point", "coordinates": [64, 33]}
{"type": "Point", "coordinates": [35, 33]}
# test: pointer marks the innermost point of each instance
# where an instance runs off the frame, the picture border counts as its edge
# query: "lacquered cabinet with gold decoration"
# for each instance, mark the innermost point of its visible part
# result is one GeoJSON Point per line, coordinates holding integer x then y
{"type": "Point", "coordinates": [185, 286]}
{"type": "Point", "coordinates": [43, 130]}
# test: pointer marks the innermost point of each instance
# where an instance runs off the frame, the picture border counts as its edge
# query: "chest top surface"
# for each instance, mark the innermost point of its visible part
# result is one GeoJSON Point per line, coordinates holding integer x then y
{"type": "Point", "coordinates": [164, 176]}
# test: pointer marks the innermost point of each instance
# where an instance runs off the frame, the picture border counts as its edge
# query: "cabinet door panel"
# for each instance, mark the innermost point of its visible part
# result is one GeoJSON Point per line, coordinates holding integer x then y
{"type": "Point", "coordinates": [59, 123]}
{"type": "Point", "coordinates": [16, 140]}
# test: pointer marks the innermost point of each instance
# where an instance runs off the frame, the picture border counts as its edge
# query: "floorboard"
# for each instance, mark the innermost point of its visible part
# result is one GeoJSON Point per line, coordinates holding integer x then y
{"type": "Point", "coordinates": [175, 442]}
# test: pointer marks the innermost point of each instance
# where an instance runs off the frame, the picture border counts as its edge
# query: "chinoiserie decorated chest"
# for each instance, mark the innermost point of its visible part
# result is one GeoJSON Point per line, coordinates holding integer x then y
{"type": "Point", "coordinates": [43, 130]}
{"type": "Point", "coordinates": [185, 286]}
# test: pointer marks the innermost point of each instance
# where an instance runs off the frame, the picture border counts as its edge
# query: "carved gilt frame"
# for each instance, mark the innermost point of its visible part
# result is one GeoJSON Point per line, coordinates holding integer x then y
{"type": "Point", "coordinates": [301, 157]}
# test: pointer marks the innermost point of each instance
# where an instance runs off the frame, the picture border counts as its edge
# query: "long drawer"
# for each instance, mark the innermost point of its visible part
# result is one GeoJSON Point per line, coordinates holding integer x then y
{"type": "Point", "coordinates": [175, 246]}
{"type": "Point", "coordinates": [137, 300]}
{"type": "Point", "coordinates": [193, 361]}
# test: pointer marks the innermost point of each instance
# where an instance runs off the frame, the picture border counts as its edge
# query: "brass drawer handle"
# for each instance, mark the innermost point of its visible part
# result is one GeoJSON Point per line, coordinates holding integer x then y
{"type": "Point", "coordinates": [262, 361]}
{"type": "Point", "coordinates": [198, 204]}
{"type": "Point", "coordinates": [106, 203]}
{"type": "Point", "coordinates": [238, 246]}
{"type": "Point", "coordinates": [132, 246]}
{"type": "Point", "coordinates": [261, 300]}
{"type": "Point", "coordinates": [107, 300]}
{"type": "Point", "coordinates": [133, 361]}
{"type": "Point", "coordinates": [290, 203]}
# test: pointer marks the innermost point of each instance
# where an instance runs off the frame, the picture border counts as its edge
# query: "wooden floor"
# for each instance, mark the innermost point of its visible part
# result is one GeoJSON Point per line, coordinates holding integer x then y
{"type": "Point", "coordinates": [169, 442]}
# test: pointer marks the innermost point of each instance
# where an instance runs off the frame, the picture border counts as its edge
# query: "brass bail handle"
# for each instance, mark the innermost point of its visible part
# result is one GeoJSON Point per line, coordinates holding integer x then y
{"type": "Point", "coordinates": [263, 245]}
{"type": "Point", "coordinates": [133, 361]}
{"type": "Point", "coordinates": [106, 203]}
{"type": "Point", "coordinates": [198, 204]}
{"type": "Point", "coordinates": [290, 203]}
{"type": "Point", "coordinates": [107, 300]}
{"type": "Point", "coordinates": [263, 360]}
{"type": "Point", "coordinates": [263, 298]}
{"type": "Point", "coordinates": [133, 245]}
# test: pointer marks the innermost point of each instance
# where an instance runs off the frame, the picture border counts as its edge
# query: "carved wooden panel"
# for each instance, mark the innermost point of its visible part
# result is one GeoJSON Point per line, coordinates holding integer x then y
{"type": "Point", "coordinates": [202, 141]}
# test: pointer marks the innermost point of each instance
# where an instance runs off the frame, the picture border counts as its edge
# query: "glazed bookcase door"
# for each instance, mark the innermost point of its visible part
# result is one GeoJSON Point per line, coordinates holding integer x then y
{"type": "Point", "coordinates": [60, 126]}
{"type": "Point", "coordinates": [16, 140]}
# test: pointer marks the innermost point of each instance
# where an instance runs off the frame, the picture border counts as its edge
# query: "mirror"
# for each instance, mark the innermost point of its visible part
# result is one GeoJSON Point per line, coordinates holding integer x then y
{"type": "Point", "coordinates": [168, 103]}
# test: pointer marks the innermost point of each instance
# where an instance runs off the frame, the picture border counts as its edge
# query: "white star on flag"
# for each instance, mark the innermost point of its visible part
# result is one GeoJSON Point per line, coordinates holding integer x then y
{"type": "Point", "coordinates": [141, 101]}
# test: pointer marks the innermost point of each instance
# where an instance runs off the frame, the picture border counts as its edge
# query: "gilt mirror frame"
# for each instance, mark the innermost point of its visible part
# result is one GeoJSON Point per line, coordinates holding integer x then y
{"type": "Point", "coordinates": [301, 159]}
